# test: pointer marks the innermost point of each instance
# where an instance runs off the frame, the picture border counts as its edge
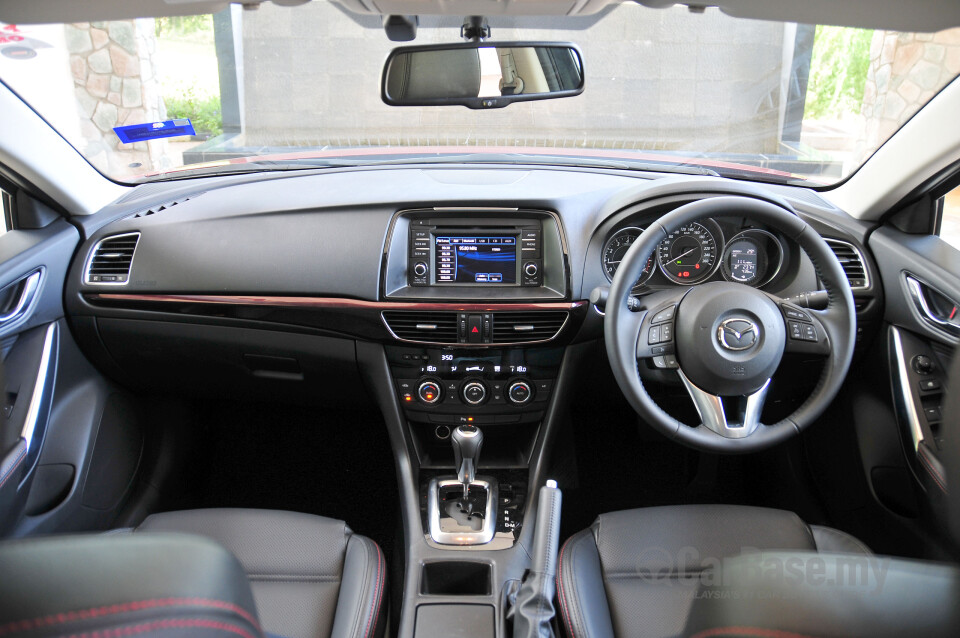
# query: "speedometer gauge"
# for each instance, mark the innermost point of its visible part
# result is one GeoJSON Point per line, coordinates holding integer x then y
{"type": "Point", "coordinates": [616, 247]}
{"type": "Point", "coordinates": [689, 254]}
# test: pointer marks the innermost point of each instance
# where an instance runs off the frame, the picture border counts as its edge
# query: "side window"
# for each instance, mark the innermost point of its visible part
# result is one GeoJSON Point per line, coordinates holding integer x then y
{"type": "Point", "coordinates": [950, 220]}
{"type": "Point", "coordinates": [7, 203]}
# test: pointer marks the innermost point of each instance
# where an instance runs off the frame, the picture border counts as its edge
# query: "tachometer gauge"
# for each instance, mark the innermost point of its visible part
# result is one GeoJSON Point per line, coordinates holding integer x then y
{"type": "Point", "coordinates": [689, 254]}
{"type": "Point", "coordinates": [616, 247]}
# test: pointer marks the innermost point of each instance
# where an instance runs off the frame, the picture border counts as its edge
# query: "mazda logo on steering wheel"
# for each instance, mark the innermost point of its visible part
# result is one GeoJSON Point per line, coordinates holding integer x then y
{"type": "Point", "coordinates": [738, 334]}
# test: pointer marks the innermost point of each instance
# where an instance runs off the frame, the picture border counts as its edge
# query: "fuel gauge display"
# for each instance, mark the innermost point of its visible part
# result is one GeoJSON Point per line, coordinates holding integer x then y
{"type": "Point", "coordinates": [742, 259]}
{"type": "Point", "coordinates": [753, 257]}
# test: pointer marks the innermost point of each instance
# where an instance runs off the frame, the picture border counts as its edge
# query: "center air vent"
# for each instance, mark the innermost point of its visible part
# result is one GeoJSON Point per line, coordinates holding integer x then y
{"type": "Point", "coordinates": [852, 262]}
{"type": "Point", "coordinates": [431, 327]}
{"type": "Point", "coordinates": [111, 260]}
{"type": "Point", "coordinates": [526, 327]}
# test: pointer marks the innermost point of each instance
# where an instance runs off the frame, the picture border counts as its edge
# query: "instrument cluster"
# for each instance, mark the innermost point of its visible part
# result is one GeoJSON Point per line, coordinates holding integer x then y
{"type": "Point", "coordinates": [700, 251]}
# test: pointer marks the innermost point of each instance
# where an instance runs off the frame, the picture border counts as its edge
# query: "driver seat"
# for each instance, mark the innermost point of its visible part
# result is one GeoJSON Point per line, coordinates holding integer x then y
{"type": "Point", "coordinates": [637, 572]}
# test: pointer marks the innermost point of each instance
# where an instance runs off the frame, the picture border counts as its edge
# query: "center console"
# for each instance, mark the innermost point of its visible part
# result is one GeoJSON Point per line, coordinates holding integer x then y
{"type": "Point", "coordinates": [480, 315]}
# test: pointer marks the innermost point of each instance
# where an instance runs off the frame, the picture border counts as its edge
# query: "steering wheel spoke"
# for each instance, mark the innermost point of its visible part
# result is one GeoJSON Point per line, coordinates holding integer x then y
{"type": "Point", "coordinates": [655, 335]}
{"type": "Point", "coordinates": [713, 414]}
{"type": "Point", "coordinates": [806, 332]}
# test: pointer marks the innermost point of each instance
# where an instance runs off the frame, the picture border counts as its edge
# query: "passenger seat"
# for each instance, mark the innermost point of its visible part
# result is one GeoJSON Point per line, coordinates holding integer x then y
{"type": "Point", "coordinates": [310, 577]}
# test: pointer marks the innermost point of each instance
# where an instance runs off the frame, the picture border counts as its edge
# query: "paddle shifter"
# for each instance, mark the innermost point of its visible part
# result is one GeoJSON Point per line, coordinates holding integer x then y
{"type": "Point", "coordinates": [467, 440]}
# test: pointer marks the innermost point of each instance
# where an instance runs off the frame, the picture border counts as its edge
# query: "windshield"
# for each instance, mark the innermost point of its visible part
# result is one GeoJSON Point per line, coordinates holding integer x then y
{"type": "Point", "coordinates": [283, 87]}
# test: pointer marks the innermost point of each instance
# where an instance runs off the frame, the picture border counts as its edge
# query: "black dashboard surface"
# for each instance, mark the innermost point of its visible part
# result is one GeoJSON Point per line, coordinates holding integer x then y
{"type": "Point", "coordinates": [324, 234]}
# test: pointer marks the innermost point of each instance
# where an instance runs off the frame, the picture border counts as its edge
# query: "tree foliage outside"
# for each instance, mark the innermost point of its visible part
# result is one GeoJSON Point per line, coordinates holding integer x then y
{"type": "Point", "coordinates": [184, 26]}
{"type": "Point", "coordinates": [838, 71]}
{"type": "Point", "coordinates": [187, 93]}
{"type": "Point", "coordinates": [203, 109]}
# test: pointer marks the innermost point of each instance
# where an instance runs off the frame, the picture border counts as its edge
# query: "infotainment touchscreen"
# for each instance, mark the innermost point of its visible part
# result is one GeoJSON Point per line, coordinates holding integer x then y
{"type": "Point", "coordinates": [475, 259]}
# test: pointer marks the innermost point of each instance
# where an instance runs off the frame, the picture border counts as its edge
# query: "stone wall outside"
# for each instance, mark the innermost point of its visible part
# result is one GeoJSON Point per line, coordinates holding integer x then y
{"type": "Point", "coordinates": [115, 84]}
{"type": "Point", "coordinates": [906, 71]}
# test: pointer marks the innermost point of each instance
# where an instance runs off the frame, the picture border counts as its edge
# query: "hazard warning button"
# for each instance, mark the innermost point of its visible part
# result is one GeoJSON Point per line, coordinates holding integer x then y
{"type": "Point", "coordinates": [475, 329]}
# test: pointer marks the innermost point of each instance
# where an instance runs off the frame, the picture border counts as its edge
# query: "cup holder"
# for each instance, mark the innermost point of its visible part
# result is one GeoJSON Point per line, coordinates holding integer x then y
{"type": "Point", "coordinates": [455, 578]}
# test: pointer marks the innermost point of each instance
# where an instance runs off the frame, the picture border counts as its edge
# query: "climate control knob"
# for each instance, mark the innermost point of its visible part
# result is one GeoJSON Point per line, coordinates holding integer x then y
{"type": "Point", "coordinates": [519, 392]}
{"type": "Point", "coordinates": [429, 392]}
{"type": "Point", "coordinates": [474, 392]}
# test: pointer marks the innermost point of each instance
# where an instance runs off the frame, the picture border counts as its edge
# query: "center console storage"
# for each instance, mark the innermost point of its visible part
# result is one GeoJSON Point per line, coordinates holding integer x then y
{"type": "Point", "coordinates": [455, 578]}
{"type": "Point", "coordinates": [464, 621]}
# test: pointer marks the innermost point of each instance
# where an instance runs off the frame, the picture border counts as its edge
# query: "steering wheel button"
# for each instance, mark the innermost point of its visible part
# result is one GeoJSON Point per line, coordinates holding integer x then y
{"type": "Point", "coordinates": [809, 332]}
{"type": "Point", "coordinates": [659, 362]}
{"type": "Point", "coordinates": [666, 332]}
{"type": "Point", "coordinates": [796, 332]}
{"type": "Point", "coordinates": [793, 313]}
{"type": "Point", "coordinates": [654, 335]}
{"type": "Point", "coordinates": [664, 315]}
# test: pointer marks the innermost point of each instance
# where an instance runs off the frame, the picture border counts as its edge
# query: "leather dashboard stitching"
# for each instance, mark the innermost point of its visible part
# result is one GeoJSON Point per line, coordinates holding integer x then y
{"type": "Point", "coordinates": [109, 610]}
{"type": "Point", "coordinates": [16, 464]}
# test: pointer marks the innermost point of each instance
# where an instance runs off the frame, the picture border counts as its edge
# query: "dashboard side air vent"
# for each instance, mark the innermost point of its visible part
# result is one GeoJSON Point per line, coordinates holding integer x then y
{"type": "Point", "coordinates": [111, 260]}
{"type": "Point", "coordinates": [527, 326]}
{"type": "Point", "coordinates": [851, 260]}
{"type": "Point", "coordinates": [157, 208]}
{"type": "Point", "coordinates": [427, 326]}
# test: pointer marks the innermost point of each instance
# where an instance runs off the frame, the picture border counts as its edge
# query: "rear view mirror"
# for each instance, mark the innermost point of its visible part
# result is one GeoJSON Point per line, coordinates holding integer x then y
{"type": "Point", "coordinates": [481, 75]}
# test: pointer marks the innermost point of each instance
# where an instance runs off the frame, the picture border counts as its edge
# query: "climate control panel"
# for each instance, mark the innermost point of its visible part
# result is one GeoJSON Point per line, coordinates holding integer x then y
{"type": "Point", "coordinates": [451, 386]}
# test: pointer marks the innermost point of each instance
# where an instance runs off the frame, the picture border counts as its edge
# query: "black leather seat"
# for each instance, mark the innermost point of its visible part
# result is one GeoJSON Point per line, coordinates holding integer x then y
{"type": "Point", "coordinates": [637, 572]}
{"type": "Point", "coordinates": [308, 577]}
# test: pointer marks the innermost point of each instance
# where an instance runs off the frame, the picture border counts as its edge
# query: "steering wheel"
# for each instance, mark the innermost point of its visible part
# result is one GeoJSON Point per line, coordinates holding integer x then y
{"type": "Point", "coordinates": [725, 340]}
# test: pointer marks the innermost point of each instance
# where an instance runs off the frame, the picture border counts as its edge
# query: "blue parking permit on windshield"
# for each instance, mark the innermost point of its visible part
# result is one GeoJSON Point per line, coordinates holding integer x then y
{"type": "Point", "coordinates": [154, 130]}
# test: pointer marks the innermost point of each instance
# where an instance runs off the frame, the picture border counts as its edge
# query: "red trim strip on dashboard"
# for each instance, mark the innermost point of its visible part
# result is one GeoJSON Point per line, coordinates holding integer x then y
{"type": "Point", "coordinates": [335, 303]}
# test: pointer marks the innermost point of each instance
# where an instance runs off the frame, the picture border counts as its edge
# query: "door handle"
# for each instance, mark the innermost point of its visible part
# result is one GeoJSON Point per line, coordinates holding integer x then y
{"type": "Point", "coordinates": [26, 291]}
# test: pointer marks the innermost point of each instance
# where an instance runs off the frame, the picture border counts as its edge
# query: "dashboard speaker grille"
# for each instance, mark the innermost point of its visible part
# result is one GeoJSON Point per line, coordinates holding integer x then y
{"type": "Point", "coordinates": [111, 260]}
{"type": "Point", "coordinates": [852, 262]}
{"type": "Point", "coordinates": [433, 327]}
{"type": "Point", "coordinates": [525, 327]}
{"type": "Point", "coordinates": [157, 208]}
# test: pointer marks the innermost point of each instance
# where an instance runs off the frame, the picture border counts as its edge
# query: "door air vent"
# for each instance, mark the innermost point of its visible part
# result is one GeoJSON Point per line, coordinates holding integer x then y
{"type": "Point", "coordinates": [153, 210]}
{"type": "Point", "coordinates": [852, 262]}
{"type": "Point", "coordinates": [431, 327]}
{"type": "Point", "coordinates": [111, 260]}
{"type": "Point", "coordinates": [526, 327]}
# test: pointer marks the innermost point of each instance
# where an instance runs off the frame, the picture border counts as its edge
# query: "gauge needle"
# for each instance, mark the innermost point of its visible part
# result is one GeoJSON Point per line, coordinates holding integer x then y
{"type": "Point", "coordinates": [679, 257]}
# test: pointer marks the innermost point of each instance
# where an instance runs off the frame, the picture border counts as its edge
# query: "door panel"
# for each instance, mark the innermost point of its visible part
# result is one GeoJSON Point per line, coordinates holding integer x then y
{"type": "Point", "coordinates": [70, 442]}
{"type": "Point", "coordinates": [921, 278]}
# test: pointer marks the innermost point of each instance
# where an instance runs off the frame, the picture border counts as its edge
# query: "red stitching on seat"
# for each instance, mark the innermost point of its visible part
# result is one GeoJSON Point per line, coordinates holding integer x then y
{"type": "Point", "coordinates": [375, 610]}
{"type": "Point", "coordinates": [755, 632]}
{"type": "Point", "coordinates": [133, 630]}
{"type": "Point", "coordinates": [928, 466]}
{"type": "Point", "coordinates": [563, 598]}
{"type": "Point", "coordinates": [23, 453]}
{"type": "Point", "coordinates": [95, 612]}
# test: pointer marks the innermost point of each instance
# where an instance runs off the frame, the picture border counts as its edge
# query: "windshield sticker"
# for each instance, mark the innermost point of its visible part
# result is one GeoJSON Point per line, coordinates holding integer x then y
{"type": "Point", "coordinates": [154, 130]}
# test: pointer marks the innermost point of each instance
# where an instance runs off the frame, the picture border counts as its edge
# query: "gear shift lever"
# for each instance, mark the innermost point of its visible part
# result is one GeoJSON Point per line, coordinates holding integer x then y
{"type": "Point", "coordinates": [467, 440]}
